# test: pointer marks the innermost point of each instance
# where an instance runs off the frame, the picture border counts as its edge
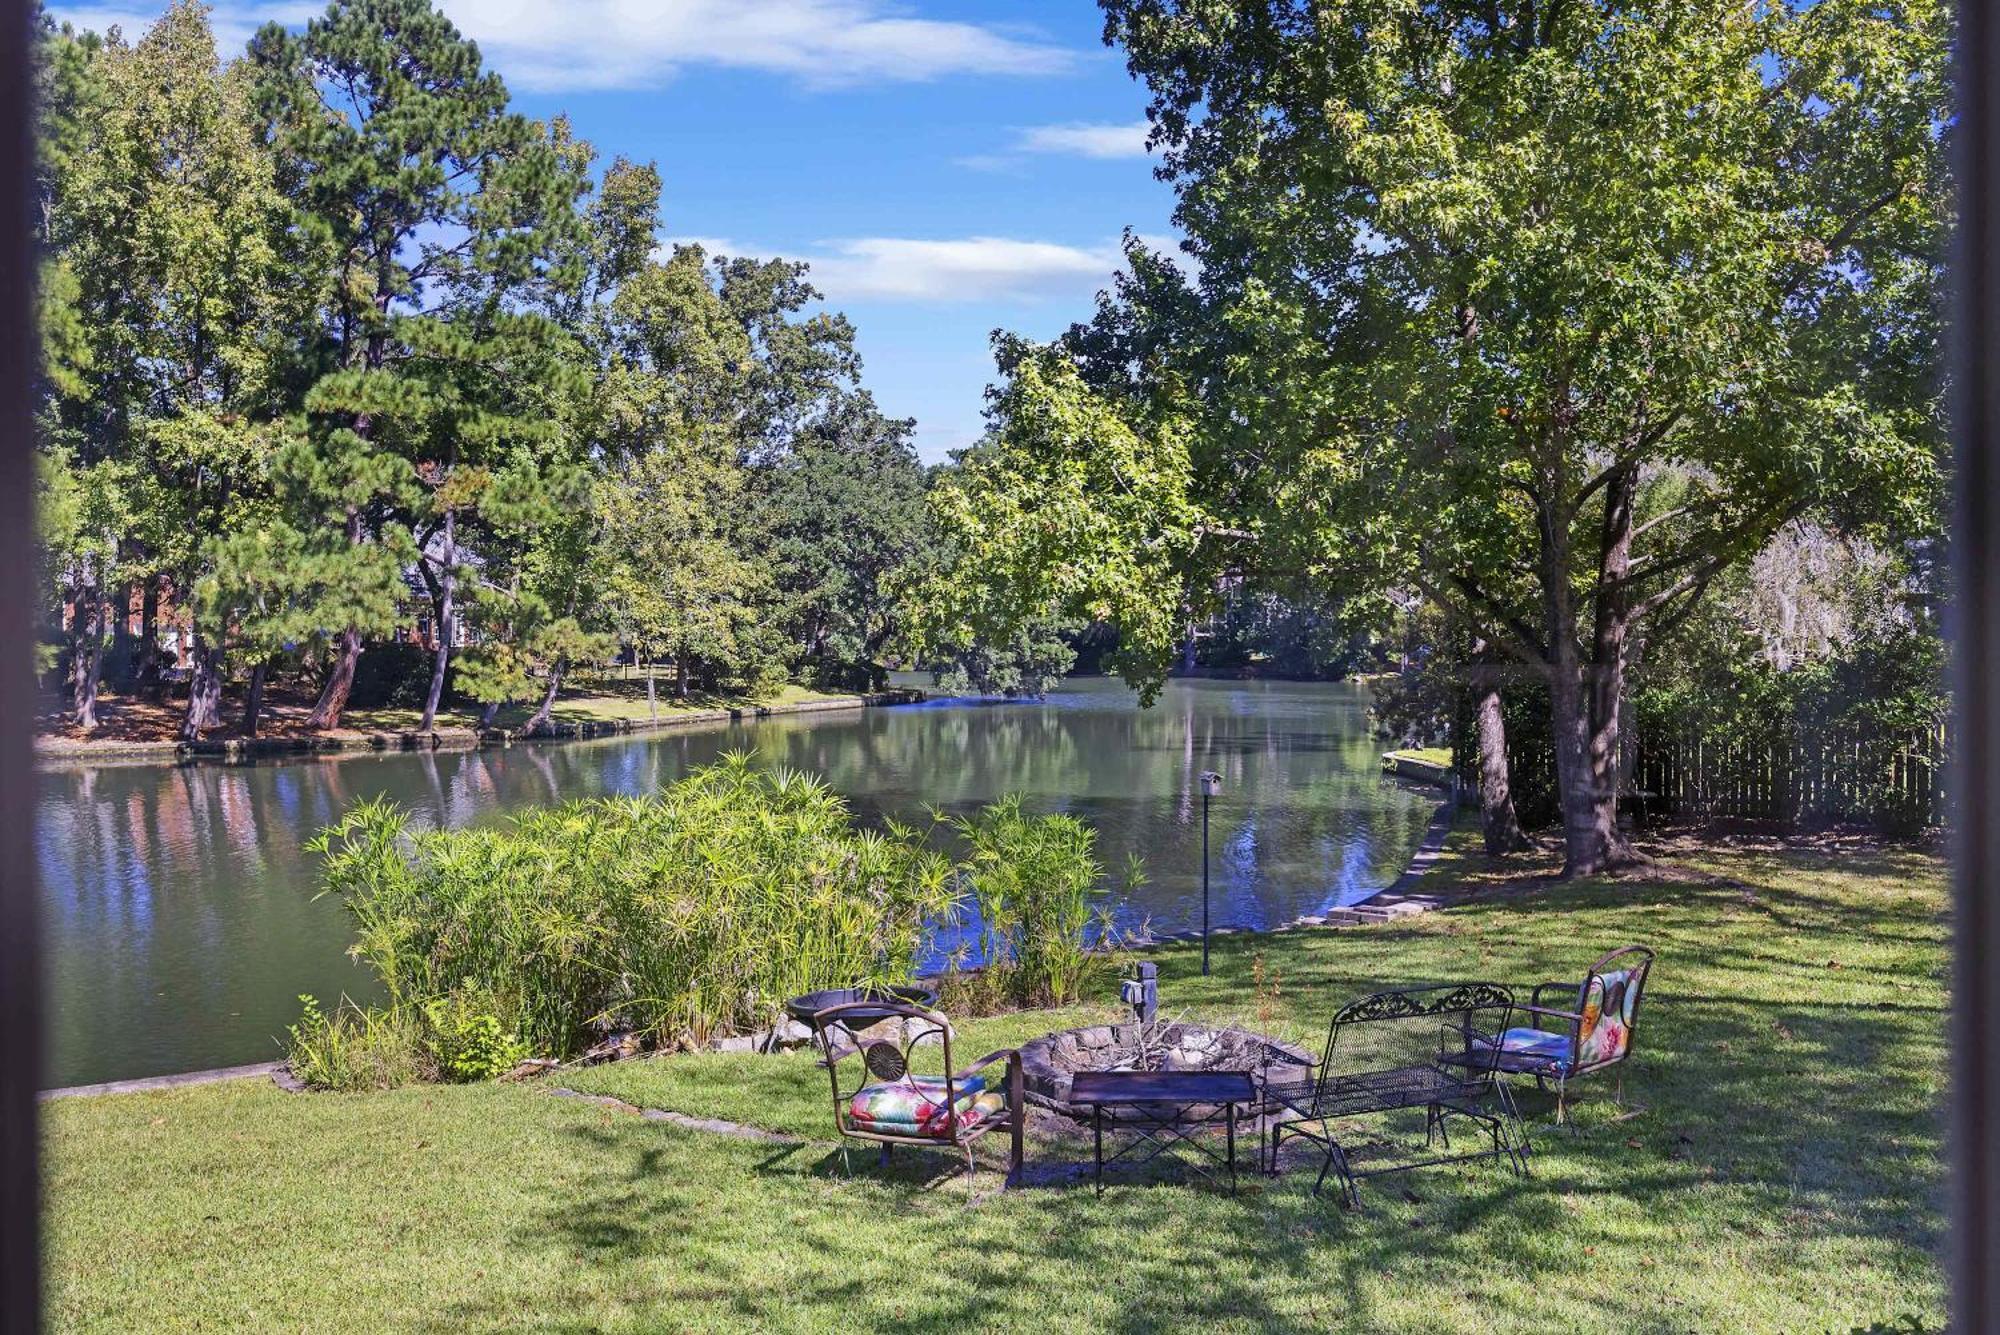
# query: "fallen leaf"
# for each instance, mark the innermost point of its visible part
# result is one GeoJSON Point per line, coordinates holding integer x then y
{"type": "Point", "coordinates": [1635, 1144]}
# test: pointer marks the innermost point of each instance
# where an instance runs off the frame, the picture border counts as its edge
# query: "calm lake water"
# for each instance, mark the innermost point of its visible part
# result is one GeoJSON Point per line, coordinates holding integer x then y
{"type": "Point", "coordinates": [181, 923]}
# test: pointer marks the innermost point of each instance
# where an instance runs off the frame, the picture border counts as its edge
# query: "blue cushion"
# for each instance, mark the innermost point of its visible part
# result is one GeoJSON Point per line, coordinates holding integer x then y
{"type": "Point", "coordinates": [1533, 1044]}
{"type": "Point", "coordinates": [1536, 1043]}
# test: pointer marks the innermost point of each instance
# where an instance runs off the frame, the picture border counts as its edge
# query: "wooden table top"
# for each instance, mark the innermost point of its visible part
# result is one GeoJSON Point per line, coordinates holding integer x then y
{"type": "Point", "coordinates": [1116, 1087]}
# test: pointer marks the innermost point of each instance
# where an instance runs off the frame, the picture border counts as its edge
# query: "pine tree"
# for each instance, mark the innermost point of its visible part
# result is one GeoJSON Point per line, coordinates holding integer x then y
{"type": "Point", "coordinates": [444, 209]}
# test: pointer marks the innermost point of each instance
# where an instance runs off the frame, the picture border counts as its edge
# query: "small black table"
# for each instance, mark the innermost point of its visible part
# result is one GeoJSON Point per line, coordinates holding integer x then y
{"type": "Point", "coordinates": [1161, 1107]}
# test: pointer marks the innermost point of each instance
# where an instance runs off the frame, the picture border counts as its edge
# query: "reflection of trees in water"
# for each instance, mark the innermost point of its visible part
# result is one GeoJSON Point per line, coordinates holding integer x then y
{"type": "Point", "coordinates": [190, 881]}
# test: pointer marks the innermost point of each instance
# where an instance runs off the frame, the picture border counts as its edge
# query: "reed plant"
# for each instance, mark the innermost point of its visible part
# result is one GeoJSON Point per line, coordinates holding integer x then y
{"type": "Point", "coordinates": [681, 917]}
{"type": "Point", "coordinates": [1038, 887]}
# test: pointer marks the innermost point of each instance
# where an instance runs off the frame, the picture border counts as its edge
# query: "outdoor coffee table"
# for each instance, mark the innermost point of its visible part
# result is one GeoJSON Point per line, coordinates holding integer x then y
{"type": "Point", "coordinates": [1163, 1109]}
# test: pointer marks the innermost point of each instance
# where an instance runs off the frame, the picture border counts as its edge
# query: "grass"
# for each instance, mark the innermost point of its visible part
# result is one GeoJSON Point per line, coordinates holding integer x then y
{"type": "Point", "coordinates": [125, 719]}
{"type": "Point", "coordinates": [1431, 755]}
{"type": "Point", "coordinates": [607, 701]}
{"type": "Point", "coordinates": [1786, 1177]}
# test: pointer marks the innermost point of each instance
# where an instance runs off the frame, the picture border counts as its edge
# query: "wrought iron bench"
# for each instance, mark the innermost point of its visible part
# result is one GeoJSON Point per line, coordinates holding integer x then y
{"type": "Point", "coordinates": [1557, 1046]}
{"type": "Point", "coordinates": [885, 1101]}
{"type": "Point", "coordinates": [1406, 1049]}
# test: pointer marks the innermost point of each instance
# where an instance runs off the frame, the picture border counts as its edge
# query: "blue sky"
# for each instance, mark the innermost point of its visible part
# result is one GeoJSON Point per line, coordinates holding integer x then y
{"type": "Point", "coordinates": [946, 168]}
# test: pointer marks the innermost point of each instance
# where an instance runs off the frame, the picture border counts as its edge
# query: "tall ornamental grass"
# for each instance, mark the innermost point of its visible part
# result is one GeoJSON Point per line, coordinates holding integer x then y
{"type": "Point", "coordinates": [1038, 887]}
{"type": "Point", "coordinates": [682, 916]}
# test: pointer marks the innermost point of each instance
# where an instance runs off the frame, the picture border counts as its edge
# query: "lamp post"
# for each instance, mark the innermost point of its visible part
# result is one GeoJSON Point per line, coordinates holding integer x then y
{"type": "Point", "coordinates": [1211, 784]}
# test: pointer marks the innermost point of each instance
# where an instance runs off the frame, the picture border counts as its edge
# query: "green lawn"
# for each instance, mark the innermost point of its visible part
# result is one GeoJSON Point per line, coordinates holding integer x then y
{"type": "Point", "coordinates": [610, 700]}
{"type": "Point", "coordinates": [1432, 755]}
{"type": "Point", "coordinates": [1786, 1176]}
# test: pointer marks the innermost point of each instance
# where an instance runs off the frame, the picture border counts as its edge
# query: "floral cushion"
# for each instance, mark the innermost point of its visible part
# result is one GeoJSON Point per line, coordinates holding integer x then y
{"type": "Point", "coordinates": [914, 1105]}
{"type": "Point", "coordinates": [1607, 1016]}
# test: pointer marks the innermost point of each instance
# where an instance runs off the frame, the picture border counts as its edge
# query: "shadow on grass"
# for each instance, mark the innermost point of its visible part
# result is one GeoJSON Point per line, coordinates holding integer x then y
{"type": "Point", "coordinates": [1790, 1104]}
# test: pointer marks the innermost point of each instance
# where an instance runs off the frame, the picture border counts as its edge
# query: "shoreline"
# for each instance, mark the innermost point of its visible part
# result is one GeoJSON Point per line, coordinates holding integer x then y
{"type": "Point", "coordinates": [50, 753]}
{"type": "Point", "coordinates": [1397, 903]}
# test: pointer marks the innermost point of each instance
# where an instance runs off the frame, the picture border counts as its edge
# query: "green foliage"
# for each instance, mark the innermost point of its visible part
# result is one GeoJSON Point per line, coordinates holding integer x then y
{"type": "Point", "coordinates": [1037, 885]}
{"type": "Point", "coordinates": [685, 916]}
{"type": "Point", "coordinates": [1033, 657]}
{"type": "Point", "coordinates": [335, 313]}
{"type": "Point", "coordinates": [1554, 313]}
{"type": "Point", "coordinates": [843, 511]}
{"type": "Point", "coordinates": [1066, 510]}
{"type": "Point", "coordinates": [679, 586]}
{"type": "Point", "coordinates": [1300, 638]}
{"type": "Point", "coordinates": [354, 1049]}
{"type": "Point", "coordinates": [466, 1040]}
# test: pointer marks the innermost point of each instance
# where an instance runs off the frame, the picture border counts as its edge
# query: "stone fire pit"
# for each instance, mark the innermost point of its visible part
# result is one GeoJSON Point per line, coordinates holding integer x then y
{"type": "Point", "coordinates": [1048, 1062]}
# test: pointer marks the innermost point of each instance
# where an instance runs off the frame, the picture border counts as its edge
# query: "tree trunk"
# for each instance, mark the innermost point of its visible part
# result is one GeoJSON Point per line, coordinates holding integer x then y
{"type": "Point", "coordinates": [86, 661]}
{"type": "Point", "coordinates": [534, 725]}
{"type": "Point", "coordinates": [339, 682]}
{"type": "Point", "coordinates": [447, 586]}
{"type": "Point", "coordinates": [204, 707]}
{"type": "Point", "coordinates": [253, 699]}
{"type": "Point", "coordinates": [681, 676]}
{"type": "Point", "coordinates": [1605, 686]}
{"type": "Point", "coordinates": [146, 676]}
{"type": "Point", "coordinates": [488, 714]}
{"type": "Point", "coordinates": [1584, 695]}
{"type": "Point", "coordinates": [1584, 853]}
{"type": "Point", "coordinates": [1496, 797]}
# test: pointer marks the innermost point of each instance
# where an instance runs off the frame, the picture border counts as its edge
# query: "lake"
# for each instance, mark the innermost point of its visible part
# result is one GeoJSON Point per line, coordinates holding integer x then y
{"type": "Point", "coordinates": [179, 912]}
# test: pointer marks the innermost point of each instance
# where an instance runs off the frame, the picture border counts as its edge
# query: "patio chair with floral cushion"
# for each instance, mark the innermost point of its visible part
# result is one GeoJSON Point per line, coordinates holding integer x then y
{"type": "Point", "coordinates": [1558, 1045]}
{"type": "Point", "coordinates": [871, 1050]}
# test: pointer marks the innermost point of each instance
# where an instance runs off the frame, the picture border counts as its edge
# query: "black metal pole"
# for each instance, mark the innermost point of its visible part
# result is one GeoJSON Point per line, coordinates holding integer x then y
{"type": "Point", "coordinates": [1204, 885]}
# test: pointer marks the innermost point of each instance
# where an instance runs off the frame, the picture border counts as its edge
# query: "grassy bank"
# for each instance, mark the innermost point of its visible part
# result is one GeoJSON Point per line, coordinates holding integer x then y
{"type": "Point", "coordinates": [127, 723]}
{"type": "Point", "coordinates": [1786, 1176]}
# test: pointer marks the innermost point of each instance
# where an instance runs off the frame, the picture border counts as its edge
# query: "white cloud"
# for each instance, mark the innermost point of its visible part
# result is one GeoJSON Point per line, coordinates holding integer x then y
{"type": "Point", "coordinates": [976, 268]}
{"type": "Point", "coordinates": [553, 45]}
{"type": "Point", "coordinates": [951, 271]}
{"type": "Point", "coordinates": [1085, 140]}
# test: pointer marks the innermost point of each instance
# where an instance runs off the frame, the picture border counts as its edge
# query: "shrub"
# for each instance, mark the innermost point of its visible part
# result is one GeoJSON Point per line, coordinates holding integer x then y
{"type": "Point", "coordinates": [467, 1040]}
{"type": "Point", "coordinates": [683, 916]}
{"type": "Point", "coordinates": [1036, 882]}
{"type": "Point", "coordinates": [355, 1048]}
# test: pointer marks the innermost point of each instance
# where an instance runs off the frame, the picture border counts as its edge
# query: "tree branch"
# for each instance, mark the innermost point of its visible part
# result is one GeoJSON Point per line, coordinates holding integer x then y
{"type": "Point", "coordinates": [1518, 637]}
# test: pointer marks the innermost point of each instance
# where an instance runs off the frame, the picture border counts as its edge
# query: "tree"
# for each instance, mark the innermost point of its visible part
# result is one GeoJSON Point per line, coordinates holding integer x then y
{"type": "Point", "coordinates": [175, 267]}
{"type": "Point", "coordinates": [1065, 510]}
{"type": "Point", "coordinates": [1557, 312]}
{"type": "Point", "coordinates": [678, 584]}
{"type": "Point", "coordinates": [445, 211]}
{"type": "Point", "coordinates": [842, 511]}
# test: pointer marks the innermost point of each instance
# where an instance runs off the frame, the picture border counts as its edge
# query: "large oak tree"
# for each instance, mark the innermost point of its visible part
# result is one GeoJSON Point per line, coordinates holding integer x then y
{"type": "Point", "coordinates": [1552, 308]}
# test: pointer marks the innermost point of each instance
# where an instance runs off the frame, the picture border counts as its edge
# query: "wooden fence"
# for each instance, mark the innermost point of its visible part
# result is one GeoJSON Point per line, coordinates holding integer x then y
{"type": "Point", "coordinates": [1803, 775]}
{"type": "Point", "coordinates": [1796, 772]}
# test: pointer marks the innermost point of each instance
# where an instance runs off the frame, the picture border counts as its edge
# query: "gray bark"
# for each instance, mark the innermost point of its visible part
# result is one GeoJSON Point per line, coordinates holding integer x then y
{"type": "Point", "coordinates": [204, 707]}
{"type": "Point", "coordinates": [540, 720]}
{"type": "Point", "coordinates": [1496, 798]}
{"type": "Point", "coordinates": [447, 620]}
{"type": "Point", "coordinates": [253, 699]}
{"type": "Point", "coordinates": [339, 682]}
{"type": "Point", "coordinates": [86, 650]}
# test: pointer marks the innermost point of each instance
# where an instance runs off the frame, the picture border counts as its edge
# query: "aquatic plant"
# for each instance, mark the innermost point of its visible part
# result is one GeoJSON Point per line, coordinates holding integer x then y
{"type": "Point", "coordinates": [682, 916]}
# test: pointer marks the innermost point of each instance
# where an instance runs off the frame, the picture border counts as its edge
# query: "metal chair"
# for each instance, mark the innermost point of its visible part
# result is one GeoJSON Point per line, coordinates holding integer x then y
{"type": "Point", "coordinates": [887, 1102]}
{"type": "Point", "coordinates": [1406, 1049]}
{"type": "Point", "coordinates": [1558, 1046]}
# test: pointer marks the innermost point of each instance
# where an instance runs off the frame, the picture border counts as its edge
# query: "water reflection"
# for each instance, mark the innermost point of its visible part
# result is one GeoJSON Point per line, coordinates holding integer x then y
{"type": "Point", "coordinates": [182, 925]}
